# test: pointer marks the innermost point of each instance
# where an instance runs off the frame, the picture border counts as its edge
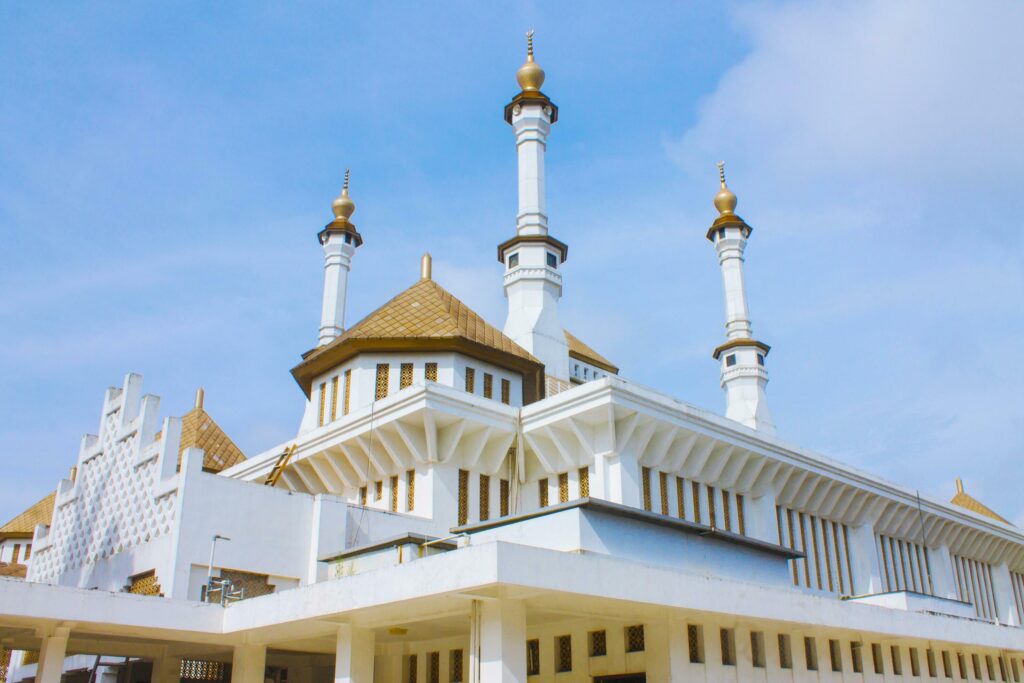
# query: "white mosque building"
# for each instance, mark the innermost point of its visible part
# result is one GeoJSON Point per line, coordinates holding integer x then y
{"type": "Point", "coordinates": [469, 503]}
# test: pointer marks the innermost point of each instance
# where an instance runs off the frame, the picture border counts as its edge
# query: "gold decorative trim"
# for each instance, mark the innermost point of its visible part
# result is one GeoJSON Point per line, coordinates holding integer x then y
{"type": "Point", "coordinates": [740, 344]}
{"type": "Point", "coordinates": [561, 247]}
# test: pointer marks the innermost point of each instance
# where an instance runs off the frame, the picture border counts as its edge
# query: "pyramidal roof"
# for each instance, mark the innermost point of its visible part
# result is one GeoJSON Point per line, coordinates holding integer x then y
{"type": "Point", "coordinates": [965, 500]}
{"type": "Point", "coordinates": [24, 525]}
{"type": "Point", "coordinates": [199, 430]}
{"type": "Point", "coordinates": [423, 317]}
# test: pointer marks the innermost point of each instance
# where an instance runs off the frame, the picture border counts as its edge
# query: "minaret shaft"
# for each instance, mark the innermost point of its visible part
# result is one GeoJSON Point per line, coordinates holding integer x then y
{"type": "Point", "coordinates": [531, 130]}
{"type": "Point", "coordinates": [737, 318]}
{"type": "Point", "coordinates": [337, 264]}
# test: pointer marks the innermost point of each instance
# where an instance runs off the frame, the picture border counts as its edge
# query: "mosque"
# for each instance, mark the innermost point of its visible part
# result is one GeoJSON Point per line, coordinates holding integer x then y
{"type": "Point", "coordinates": [464, 502]}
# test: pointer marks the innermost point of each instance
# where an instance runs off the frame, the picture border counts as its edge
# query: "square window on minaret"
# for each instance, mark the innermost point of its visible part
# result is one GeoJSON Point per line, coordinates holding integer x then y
{"type": "Point", "coordinates": [730, 360]}
{"type": "Point", "coordinates": [760, 359]}
{"type": "Point", "coordinates": [552, 260]}
{"type": "Point", "coordinates": [513, 260]}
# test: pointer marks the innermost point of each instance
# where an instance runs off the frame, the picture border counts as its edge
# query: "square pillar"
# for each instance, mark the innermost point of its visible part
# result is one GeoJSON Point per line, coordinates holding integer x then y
{"type": "Point", "coordinates": [867, 574]}
{"type": "Point", "coordinates": [1006, 606]}
{"type": "Point", "coordinates": [353, 658]}
{"type": "Point", "coordinates": [249, 664]}
{"type": "Point", "coordinates": [166, 669]}
{"type": "Point", "coordinates": [761, 519]}
{"type": "Point", "coordinates": [502, 642]}
{"type": "Point", "coordinates": [941, 566]}
{"type": "Point", "coordinates": [51, 655]}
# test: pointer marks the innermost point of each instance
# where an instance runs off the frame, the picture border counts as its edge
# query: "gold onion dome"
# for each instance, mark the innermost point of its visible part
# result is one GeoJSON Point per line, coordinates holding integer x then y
{"type": "Point", "coordinates": [343, 206]}
{"type": "Point", "coordinates": [530, 75]}
{"type": "Point", "coordinates": [725, 200]}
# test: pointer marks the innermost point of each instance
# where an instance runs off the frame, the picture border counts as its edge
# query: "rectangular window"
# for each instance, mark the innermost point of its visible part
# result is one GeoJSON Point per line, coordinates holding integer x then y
{"type": "Point", "coordinates": [488, 385]}
{"type": "Point", "coordinates": [485, 497]}
{"type": "Point", "coordinates": [435, 667]}
{"type": "Point", "coordinates": [533, 657]}
{"type": "Point", "coordinates": [563, 654]}
{"type": "Point", "coordinates": [810, 653]}
{"type": "Point", "coordinates": [362, 495]}
{"type": "Point", "coordinates": [757, 649]}
{"type": "Point", "coordinates": [16, 553]}
{"type": "Point", "coordinates": [876, 658]}
{"type": "Point", "coordinates": [976, 662]}
{"type": "Point", "coordinates": [394, 493]}
{"type": "Point", "coordinates": [1002, 669]}
{"type": "Point", "coordinates": [915, 662]}
{"type": "Point", "coordinates": [730, 360]}
{"type": "Point", "coordinates": [739, 514]}
{"type": "Point", "coordinates": [1015, 667]}
{"type": "Point", "coordinates": [323, 404]}
{"type": "Point", "coordinates": [990, 668]}
{"type": "Point", "coordinates": [897, 660]}
{"type": "Point", "coordinates": [463, 497]}
{"type": "Point", "coordinates": [728, 637]}
{"type": "Point", "coordinates": [383, 370]}
{"type": "Point", "coordinates": [411, 678]}
{"type": "Point", "coordinates": [857, 657]}
{"type": "Point", "coordinates": [947, 667]}
{"type": "Point", "coordinates": [584, 474]}
{"type": "Point", "coordinates": [410, 490]}
{"type": "Point", "coordinates": [835, 655]}
{"type": "Point", "coordinates": [695, 640]}
{"type": "Point", "coordinates": [378, 490]}
{"type": "Point", "coordinates": [645, 481]}
{"type": "Point", "coordinates": [681, 497]}
{"type": "Point", "coordinates": [348, 392]}
{"type": "Point", "coordinates": [598, 643]}
{"type": "Point", "coordinates": [430, 372]}
{"type": "Point", "coordinates": [334, 398]}
{"type": "Point", "coordinates": [635, 638]}
{"type": "Point", "coordinates": [506, 391]}
{"type": "Point", "coordinates": [785, 652]}
{"type": "Point", "coordinates": [513, 261]}
{"type": "Point", "coordinates": [542, 492]}
{"type": "Point", "coordinates": [663, 482]}
{"type": "Point", "coordinates": [712, 508]}
{"type": "Point", "coordinates": [405, 375]}
{"type": "Point", "coordinates": [28, 551]}
{"type": "Point", "coordinates": [552, 260]}
{"type": "Point", "coordinates": [961, 663]}
{"type": "Point", "coordinates": [695, 497]}
{"type": "Point", "coordinates": [563, 487]}
{"type": "Point", "coordinates": [503, 485]}
{"type": "Point", "coordinates": [470, 380]}
{"type": "Point", "coordinates": [929, 657]}
{"type": "Point", "coordinates": [455, 666]}
{"type": "Point", "coordinates": [726, 514]}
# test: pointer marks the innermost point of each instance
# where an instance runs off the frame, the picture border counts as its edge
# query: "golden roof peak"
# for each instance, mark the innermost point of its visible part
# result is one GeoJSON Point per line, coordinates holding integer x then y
{"type": "Point", "coordinates": [426, 266]}
{"type": "Point", "coordinates": [725, 200]}
{"type": "Point", "coordinates": [200, 395]}
{"type": "Point", "coordinates": [343, 206]}
{"type": "Point", "coordinates": [530, 75]}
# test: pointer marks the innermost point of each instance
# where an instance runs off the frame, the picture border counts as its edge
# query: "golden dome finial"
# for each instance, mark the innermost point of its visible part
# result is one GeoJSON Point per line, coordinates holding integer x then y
{"type": "Point", "coordinates": [426, 266]}
{"type": "Point", "coordinates": [530, 75]}
{"type": "Point", "coordinates": [343, 206]}
{"type": "Point", "coordinates": [725, 200]}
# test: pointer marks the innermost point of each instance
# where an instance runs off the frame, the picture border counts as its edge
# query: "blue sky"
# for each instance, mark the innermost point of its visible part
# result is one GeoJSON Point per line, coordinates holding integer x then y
{"type": "Point", "coordinates": [164, 171]}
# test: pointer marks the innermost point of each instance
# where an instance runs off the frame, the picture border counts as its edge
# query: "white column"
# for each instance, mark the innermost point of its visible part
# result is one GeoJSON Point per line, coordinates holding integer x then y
{"type": "Point", "coordinates": [166, 669]}
{"type": "Point", "coordinates": [941, 566]}
{"type": "Point", "coordinates": [502, 642]}
{"type": "Point", "coordinates": [761, 521]}
{"type": "Point", "coordinates": [337, 263]}
{"type": "Point", "coordinates": [249, 663]}
{"type": "Point", "coordinates": [678, 652]}
{"type": "Point", "coordinates": [1006, 607]}
{"type": "Point", "coordinates": [353, 659]}
{"type": "Point", "coordinates": [51, 655]}
{"type": "Point", "coordinates": [867, 574]}
{"type": "Point", "coordinates": [730, 259]}
{"type": "Point", "coordinates": [531, 126]}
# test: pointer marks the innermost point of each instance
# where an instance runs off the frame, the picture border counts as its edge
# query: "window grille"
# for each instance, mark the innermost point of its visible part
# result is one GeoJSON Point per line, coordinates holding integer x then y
{"type": "Point", "coordinates": [1017, 582]}
{"type": "Point", "coordinates": [412, 669]}
{"type": "Point", "coordinates": [141, 584]}
{"type": "Point", "coordinates": [485, 497]}
{"type": "Point", "coordinates": [974, 585]}
{"type": "Point", "coordinates": [405, 375]}
{"type": "Point", "coordinates": [645, 476]}
{"type": "Point", "coordinates": [470, 380]}
{"type": "Point", "coordinates": [435, 667]}
{"type": "Point", "coordinates": [695, 497]}
{"type": "Point", "coordinates": [635, 638]}
{"type": "Point", "coordinates": [876, 658]}
{"type": "Point", "coordinates": [835, 655]}
{"type": "Point", "coordinates": [542, 492]}
{"type": "Point", "coordinates": [727, 636]}
{"type": "Point", "coordinates": [463, 497]}
{"type": "Point", "coordinates": [726, 512]}
{"type": "Point", "coordinates": [810, 653]}
{"type": "Point", "coordinates": [394, 493]}
{"type": "Point", "coordinates": [410, 490]}
{"type": "Point", "coordinates": [533, 658]}
{"type": "Point", "coordinates": [362, 495]}
{"type": "Point", "coordinates": [455, 666]}
{"type": "Point", "coordinates": [506, 391]}
{"type": "Point", "coordinates": [695, 641]}
{"type": "Point", "coordinates": [348, 392]}
{"type": "Point", "coordinates": [563, 487]}
{"type": "Point", "coordinates": [826, 562]}
{"type": "Point", "coordinates": [430, 372]}
{"type": "Point", "coordinates": [857, 657]}
{"type": "Point", "coordinates": [28, 546]}
{"type": "Point", "coordinates": [199, 670]}
{"type": "Point", "coordinates": [757, 649]}
{"type": "Point", "coordinates": [563, 654]}
{"type": "Point", "coordinates": [488, 385]}
{"type": "Point", "coordinates": [663, 484]}
{"type": "Point", "coordinates": [584, 482]}
{"type": "Point", "coordinates": [915, 662]}
{"type": "Point", "coordinates": [16, 553]}
{"type": "Point", "coordinates": [976, 662]}
{"type": "Point", "coordinates": [680, 497]}
{"type": "Point", "coordinates": [905, 565]}
{"type": "Point", "coordinates": [740, 515]}
{"type": "Point", "coordinates": [825, 528]}
{"type": "Point", "coordinates": [378, 490]}
{"type": "Point", "coordinates": [785, 652]}
{"type": "Point", "coordinates": [323, 403]}
{"type": "Point", "coordinates": [5, 662]}
{"type": "Point", "coordinates": [712, 507]}
{"type": "Point", "coordinates": [383, 370]}
{"type": "Point", "coordinates": [334, 398]}
{"type": "Point", "coordinates": [598, 643]}
{"type": "Point", "coordinates": [504, 492]}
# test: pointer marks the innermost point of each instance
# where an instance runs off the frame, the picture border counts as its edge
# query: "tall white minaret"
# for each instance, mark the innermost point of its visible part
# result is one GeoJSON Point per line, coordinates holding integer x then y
{"type": "Point", "coordinates": [339, 240]}
{"type": "Point", "coordinates": [533, 283]}
{"type": "Point", "coordinates": [742, 357]}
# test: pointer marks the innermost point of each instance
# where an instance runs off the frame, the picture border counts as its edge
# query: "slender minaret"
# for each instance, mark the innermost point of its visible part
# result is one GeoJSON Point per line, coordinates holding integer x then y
{"type": "Point", "coordinates": [339, 240]}
{"type": "Point", "coordinates": [533, 283]}
{"type": "Point", "coordinates": [742, 357]}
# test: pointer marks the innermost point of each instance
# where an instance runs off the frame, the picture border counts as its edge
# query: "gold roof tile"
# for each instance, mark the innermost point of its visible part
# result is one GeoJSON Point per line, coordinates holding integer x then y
{"type": "Point", "coordinates": [24, 525]}
{"type": "Point", "coordinates": [199, 430]}
{"type": "Point", "coordinates": [968, 502]}
{"type": "Point", "coordinates": [578, 349]}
